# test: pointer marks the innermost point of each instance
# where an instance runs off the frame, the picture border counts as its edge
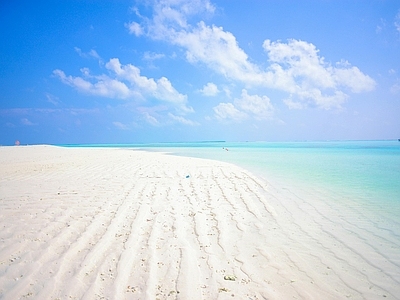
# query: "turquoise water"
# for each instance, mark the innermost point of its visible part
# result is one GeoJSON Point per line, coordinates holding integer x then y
{"type": "Point", "coordinates": [367, 171]}
{"type": "Point", "coordinates": [337, 203]}
{"type": "Point", "coordinates": [372, 168]}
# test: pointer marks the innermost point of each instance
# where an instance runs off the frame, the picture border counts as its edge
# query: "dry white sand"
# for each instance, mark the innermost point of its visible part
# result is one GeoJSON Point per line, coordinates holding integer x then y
{"type": "Point", "coordinates": [121, 224]}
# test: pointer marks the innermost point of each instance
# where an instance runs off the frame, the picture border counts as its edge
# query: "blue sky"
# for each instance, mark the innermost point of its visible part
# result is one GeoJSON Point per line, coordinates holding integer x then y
{"type": "Point", "coordinates": [175, 70]}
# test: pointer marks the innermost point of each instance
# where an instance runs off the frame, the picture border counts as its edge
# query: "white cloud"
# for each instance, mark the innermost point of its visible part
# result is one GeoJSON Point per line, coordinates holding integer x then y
{"type": "Point", "coordinates": [182, 120]}
{"type": "Point", "coordinates": [150, 119]}
{"type": "Point", "coordinates": [134, 28]}
{"type": "Point", "coordinates": [259, 106]}
{"type": "Point", "coordinates": [166, 91]}
{"type": "Point", "coordinates": [256, 106]}
{"type": "Point", "coordinates": [296, 62]}
{"type": "Point", "coordinates": [210, 89]}
{"type": "Point", "coordinates": [92, 53]}
{"type": "Point", "coordinates": [161, 89]}
{"type": "Point", "coordinates": [126, 83]}
{"type": "Point", "coordinates": [295, 67]}
{"type": "Point", "coordinates": [211, 45]}
{"type": "Point", "coordinates": [227, 111]}
{"type": "Point", "coordinates": [104, 85]}
{"type": "Point", "coordinates": [173, 14]}
{"type": "Point", "coordinates": [227, 92]}
{"type": "Point", "coordinates": [219, 50]}
{"type": "Point", "coordinates": [292, 104]}
{"type": "Point", "coordinates": [152, 56]}
{"type": "Point", "coordinates": [354, 79]}
{"type": "Point", "coordinates": [301, 63]}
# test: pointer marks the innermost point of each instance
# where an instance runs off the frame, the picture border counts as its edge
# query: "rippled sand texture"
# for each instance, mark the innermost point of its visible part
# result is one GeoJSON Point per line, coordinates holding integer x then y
{"type": "Point", "coordinates": [82, 223]}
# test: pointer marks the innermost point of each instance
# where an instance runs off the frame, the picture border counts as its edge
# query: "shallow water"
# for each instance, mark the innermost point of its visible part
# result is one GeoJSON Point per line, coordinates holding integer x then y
{"type": "Point", "coordinates": [368, 170]}
{"type": "Point", "coordinates": [363, 173]}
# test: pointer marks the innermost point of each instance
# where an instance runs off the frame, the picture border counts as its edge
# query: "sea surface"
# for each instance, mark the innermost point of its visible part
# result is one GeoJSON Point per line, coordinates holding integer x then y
{"type": "Point", "coordinates": [362, 172]}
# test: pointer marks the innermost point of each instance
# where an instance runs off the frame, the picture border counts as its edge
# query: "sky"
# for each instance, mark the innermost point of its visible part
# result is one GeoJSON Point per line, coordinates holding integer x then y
{"type": "Point", "coordinates": [145, 71]}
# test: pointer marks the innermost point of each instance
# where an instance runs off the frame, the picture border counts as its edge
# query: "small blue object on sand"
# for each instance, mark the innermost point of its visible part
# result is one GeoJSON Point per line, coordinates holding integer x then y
{"type": "Point", "coordinates": [187, 176]}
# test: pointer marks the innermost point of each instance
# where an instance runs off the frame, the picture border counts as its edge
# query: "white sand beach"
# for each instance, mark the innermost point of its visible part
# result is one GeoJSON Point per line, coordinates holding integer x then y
{"type": "Point", "coordinates": [92, 223]}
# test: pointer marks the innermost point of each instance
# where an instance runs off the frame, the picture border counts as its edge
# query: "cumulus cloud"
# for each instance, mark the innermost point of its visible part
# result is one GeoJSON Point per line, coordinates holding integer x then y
{"type": "Point", "coordinates": [219, 50]}
{"type": "Point", "coordinates": [258, 106]}
{"type": "Point", "coordinates": [210, 89]}
{"type": "Point", "coordinates": [171, 15]}
{"type": "Point", "coordinates": [297, 69]}
{"type": "Point", "coordinates": [103, 86]}
{"type": "Point", "coordinates": [126, 83]}
{"type": "Point", "coordinates": [295, 66]}
{"type": "Point", "coordinates": [227, 111]}
{"type": "Point", "coordinates": [134, 28]}
{"type": "Point", "coordinates": [211, 45]}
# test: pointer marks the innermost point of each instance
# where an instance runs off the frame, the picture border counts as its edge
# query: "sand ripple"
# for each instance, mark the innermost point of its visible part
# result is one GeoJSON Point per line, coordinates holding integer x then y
{"type": "Point", "coordinates": [125, 224]}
